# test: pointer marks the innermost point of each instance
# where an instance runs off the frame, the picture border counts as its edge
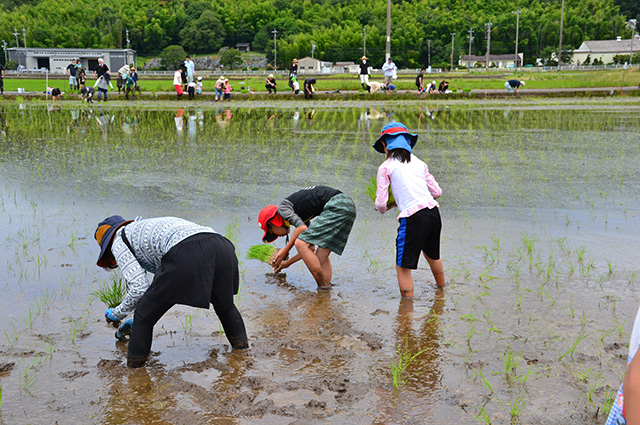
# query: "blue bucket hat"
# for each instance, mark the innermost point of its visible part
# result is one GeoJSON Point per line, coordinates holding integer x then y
{"type": "Point", "coordinates": [407, 141]}
{"type": "Point", "coordinates": [104, 233]}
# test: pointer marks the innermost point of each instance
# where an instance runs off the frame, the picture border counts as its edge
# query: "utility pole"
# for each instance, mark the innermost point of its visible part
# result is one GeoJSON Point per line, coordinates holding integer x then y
{"type": "Point", "coordinates": [313, 48]}
{"type": "Point", "coordinates": [429, 54]}
{"type": "Point", "coordinates": [364, 41]}
{"type": "Point", "coordinates": [4, 45]}
{"type": "Point", "coordinates": [632, 23]}
{"type": "Point", "coordinates": [127, 54]}
{"type": "Point", "coordinates": [561, 26]}
{"type": "Point", "coordinates": [453, 37]}
{"type": "Point", "coordinates": [16, 33]}
{"type": "Point", "coordinates": [517, 13]}
{"type": "Point", "coordinates": [24, 35]}
{"type": "Point", "coordinates": [470, 40]}
{"type": "Point", "coordinates": [275, 50]}
{"type": "Point", "coordinates": [388, 52]}
{"type": "Point", "coordinates": [488, 43]}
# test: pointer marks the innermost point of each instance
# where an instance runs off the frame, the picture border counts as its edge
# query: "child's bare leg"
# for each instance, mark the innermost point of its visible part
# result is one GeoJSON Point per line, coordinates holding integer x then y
{"type": "Point", "coordinates": [437, 268]}
{"type": "Point", "coordinates": [312, 262]}
{"type": "Point", "coordinates": [325, 262]}
{"type": "Point", "coordinates": [405, 282]}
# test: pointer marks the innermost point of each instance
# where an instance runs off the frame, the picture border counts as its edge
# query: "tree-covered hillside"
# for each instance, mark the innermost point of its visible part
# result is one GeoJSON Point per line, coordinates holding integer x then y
{"type": "Point", "coordinates": [335, 26]}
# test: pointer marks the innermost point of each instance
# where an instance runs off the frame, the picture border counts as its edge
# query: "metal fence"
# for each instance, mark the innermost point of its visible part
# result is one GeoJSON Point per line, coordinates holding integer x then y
{"type": "Point", "coordinates": [283, 72]}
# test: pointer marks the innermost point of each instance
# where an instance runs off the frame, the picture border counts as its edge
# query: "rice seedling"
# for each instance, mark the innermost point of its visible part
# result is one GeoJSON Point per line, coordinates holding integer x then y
{"type": "Point", "coordinates": [111, 294]}
{"type": "Point", "coordinates": [482, 416]}
{"type": "Point", "coordinates": [402, 362]}
{"type": "Point", "coordinates": [263, 252]}
{"type": "Point", "coordinates": [371, 189]}
{"type": "Point", "coordinates": [572, 348]}
{"type": "Point", "coordinates": [186, 323]}
{"type": "Point", "coordinates": [609, 399]}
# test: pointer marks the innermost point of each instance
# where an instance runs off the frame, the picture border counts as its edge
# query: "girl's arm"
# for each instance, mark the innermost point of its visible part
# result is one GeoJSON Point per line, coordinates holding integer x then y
{"type": "Point", "coordinates": [285, 251]}
{"type": "Point", "coordinates": [382, 192]}
{"type": "Point", "coordinates": [434, 187]}
{"type": "Point", "coordinates": [286, 263]}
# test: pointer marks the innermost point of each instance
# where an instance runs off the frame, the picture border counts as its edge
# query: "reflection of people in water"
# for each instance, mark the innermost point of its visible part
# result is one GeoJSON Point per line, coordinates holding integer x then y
{"type": "Point", "coordinates": [224, 118]}
{"type": "Point", "coordinates": [424, 371]}
{"type": "Point", "coordinates": [178, 120]}
{"type": "Point", "coordinates": [4, 127]}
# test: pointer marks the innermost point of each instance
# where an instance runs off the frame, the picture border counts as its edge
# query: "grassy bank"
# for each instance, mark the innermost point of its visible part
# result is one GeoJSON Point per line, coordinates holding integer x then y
{"type": "Point", "coordinates": [465, 81]}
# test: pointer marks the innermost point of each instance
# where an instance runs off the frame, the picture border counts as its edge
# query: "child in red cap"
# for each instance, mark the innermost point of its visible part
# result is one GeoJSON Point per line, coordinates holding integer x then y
{"type": "Point", "coordinates": [415, 191]}
{"type": "Point", "coordinates": [334, 214]}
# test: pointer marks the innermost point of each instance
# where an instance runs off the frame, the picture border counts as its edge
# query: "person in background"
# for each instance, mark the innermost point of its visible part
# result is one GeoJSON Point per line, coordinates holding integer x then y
{"type": "Point", "coordinates": [192, 265]}
{"type": "Point", "coordinates": [333, 214]}
{"type": "Point", "coordinates": [56, 94]}
{"type": "Point", "coordinates": [134, 75]}
{"type": "Point", "coordinates": [87, 93]}
{"type": "Point", "coordinates": [512, 86]}
{"type": "Point", "coordinates": [71, 72]}
{"type": "Point", "coordinates": [101, 69]}
{"type": "Point", "coordinates": [420, 80]}
{"type": "Point", "coordinates": [81, 75]}
{"type": "Point", "coordinates": [365, 71]}
{"type": "Point", "coordinates": [177, 82]}
{"type": "Point", "coordinates": [103, 83]}
{"type": "Point", "coordinates": [415, 190]}
{"type": "Point", "coordinates": [443, 86]}
{"type": "Point", "coordinates": [389, 69]}
{"type": "Point", "coordinates": [432, 88]}
{"type": "Point", "coordinates": [199, 85]}
{"type": "Point", "coordinates": [191, 67]}
{"type": "Point", "coordinates": [390, 87]}
{"type": "Point", "coordinates": [309, 87]}
{"type": "Point", "coordinates": [375, 87]}
{"type": "Point", "coordinates": [227, 89]}
{"type": "Point", "coordinates": [293, 73]}
{"type": "Point", "coordinates": [129, 85]}
{"type": "Point", "coordinates": [219, 88]}
{"type": "Point", "coordinates": [270, 84]}
{"type": "Point", "coordinates": [191, 90]}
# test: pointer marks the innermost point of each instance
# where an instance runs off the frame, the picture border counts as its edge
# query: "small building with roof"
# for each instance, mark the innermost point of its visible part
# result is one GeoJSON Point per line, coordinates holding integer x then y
{"type": "Point", "coordinates": [57, 60]}
{"type": "Point", "coordinates": [605, 50]}
{"type": "Point", "coordinates": [501, 61]}
{"type": "Point", "coordinates": [243, 47]}
{"type": "Point", "coordinates": [309, 65]}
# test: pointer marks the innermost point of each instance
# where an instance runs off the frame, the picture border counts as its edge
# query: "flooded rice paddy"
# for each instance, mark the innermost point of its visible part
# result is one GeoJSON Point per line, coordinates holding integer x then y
{"type": "Point", "coordinates": [540, 247]}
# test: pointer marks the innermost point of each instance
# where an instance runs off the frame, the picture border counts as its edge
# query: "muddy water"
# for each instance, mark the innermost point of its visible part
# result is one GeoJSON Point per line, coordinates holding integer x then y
{"type": "Point", "coordinates": [540, 247]}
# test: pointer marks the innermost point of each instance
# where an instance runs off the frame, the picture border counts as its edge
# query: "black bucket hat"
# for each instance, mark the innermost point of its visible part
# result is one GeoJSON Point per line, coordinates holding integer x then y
{"type": "Point", "coordinates": [104, 233]}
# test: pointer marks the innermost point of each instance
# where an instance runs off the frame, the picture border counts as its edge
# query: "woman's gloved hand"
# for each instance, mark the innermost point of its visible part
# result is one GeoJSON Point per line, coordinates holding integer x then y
{"type": "Point", "coordinates": [124, 330]}
{"type": "Point", "coordinates": [108, 314]}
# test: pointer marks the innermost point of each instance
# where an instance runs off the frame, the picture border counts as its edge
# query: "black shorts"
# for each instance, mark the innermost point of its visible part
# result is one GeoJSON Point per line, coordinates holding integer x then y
{"type": "Point", "coordinates": [418, 233]}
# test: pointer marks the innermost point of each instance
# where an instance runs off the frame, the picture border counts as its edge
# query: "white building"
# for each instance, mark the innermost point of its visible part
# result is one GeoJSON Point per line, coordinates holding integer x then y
{"type": "Point", "coordinates": [501, 61]}
{"type": "Point", "coordinates": [604, 50]}
{"type": "Point", "coordinates": [57, 60]}
{"type": "Point", "coordinates": [309, 65]}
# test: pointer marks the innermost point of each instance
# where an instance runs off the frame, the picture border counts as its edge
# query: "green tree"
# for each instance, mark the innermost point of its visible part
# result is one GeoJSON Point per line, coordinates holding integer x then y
{"type": "Point", "coordinates": [205, 34]}
{"type": "Point", "coordinates": [171, 56]}
{"type": "Point", "coordinates": [230, 58]}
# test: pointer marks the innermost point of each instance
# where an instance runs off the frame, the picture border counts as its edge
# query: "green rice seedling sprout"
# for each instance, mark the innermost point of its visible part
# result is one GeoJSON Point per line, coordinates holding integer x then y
{"type": "Point", "coordinates": [111, 294]}
{"type": "Point", "coordinates": [186, 324]}
{"type": "Point", "coordinates": [263, 252]}
{"type": "Point", "coordinates": [484, 380]}
{"type": "Point", "coordinates": [483, 416]}
{"type": "Point", "coordinates": [372, 188]}
{"type": "Point", "coordinates": [609, 399]}
{"type": "Point", "coordinates": [609, 266]}
{"type": "Point", "coordinates": [582, 335]}
{"type": "Point", "coordinates": [405, 358]}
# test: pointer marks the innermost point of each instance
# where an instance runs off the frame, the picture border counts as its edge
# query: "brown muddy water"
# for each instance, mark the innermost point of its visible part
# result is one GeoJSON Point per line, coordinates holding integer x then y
{"type": "Point", "coordinates": [540, 246]}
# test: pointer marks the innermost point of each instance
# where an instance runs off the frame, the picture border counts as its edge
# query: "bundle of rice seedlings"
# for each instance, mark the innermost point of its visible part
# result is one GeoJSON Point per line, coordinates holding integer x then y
{"type": "Point", "coordinates": [263, 252]}
{"type": "Point", "coordinates": [111, 293]}
{"type": "Point", "coordinates": [371, 189]}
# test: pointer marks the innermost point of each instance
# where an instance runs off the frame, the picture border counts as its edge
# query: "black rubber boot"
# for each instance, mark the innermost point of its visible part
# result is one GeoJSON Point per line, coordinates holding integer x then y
{"type": "Point", "coordinates": [136, 362]}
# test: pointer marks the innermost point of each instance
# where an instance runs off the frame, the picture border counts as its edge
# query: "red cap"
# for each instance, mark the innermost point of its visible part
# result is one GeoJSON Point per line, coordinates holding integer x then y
{"type": "Point", "coordinates": [269, 214]}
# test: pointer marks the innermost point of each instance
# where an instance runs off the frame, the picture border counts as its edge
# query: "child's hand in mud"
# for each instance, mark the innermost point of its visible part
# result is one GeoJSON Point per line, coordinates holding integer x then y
{"type": "Point", "coordinates": [283, 265]}
{"type": "Point", "coordinates": [279, 258]}
{"type": "Point", "coordinates": [108, 314]}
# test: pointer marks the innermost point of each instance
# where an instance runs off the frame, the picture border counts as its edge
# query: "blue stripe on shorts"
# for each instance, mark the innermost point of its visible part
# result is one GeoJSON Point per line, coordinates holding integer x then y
{"type": "Point", "coordinates": [402, 237]}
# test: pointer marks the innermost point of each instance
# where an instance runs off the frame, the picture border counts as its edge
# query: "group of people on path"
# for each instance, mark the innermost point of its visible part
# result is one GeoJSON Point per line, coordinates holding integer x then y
{"type": "Point", "coordinates": [194, 265]}
{"type": "Point", "coordinates": [184, 80]}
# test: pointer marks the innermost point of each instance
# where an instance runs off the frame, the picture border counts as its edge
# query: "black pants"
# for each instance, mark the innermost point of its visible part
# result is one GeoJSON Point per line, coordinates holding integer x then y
{"type": "Point", "coordinates": [1, 86]}
{"type": "Point", "coordinates": [203, 265]}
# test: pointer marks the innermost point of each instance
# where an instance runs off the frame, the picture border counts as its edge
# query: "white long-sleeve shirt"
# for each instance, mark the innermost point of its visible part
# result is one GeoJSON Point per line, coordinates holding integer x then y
{"type": "Point", "coordinates": [150, 239]}
{"type": "Point", "coordinates": [414, 188]}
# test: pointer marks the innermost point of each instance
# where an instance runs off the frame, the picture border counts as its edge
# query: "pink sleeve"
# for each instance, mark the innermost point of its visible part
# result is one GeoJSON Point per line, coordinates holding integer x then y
{"type": "Point", "coordinates": [434, 187]}
{"type": "Point", "coordinates": [382, 192]}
